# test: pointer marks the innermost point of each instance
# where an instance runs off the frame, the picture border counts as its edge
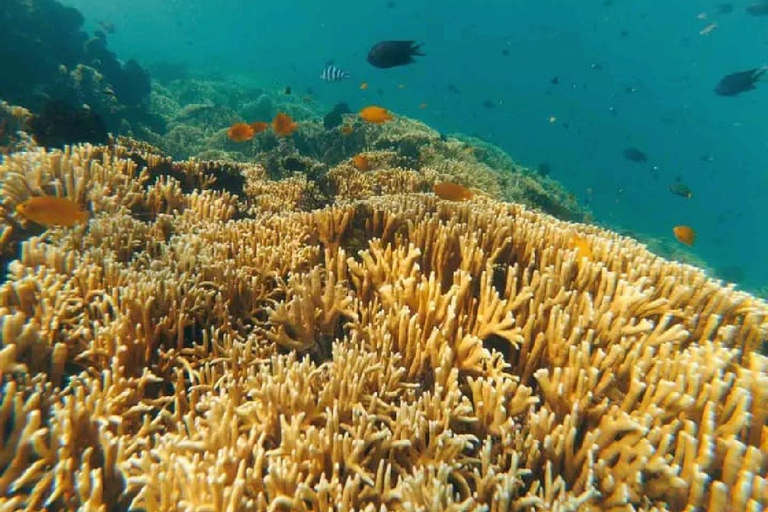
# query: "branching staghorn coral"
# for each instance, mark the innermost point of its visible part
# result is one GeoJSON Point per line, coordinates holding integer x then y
{"type": "Point", "coordinates": [194, 347]}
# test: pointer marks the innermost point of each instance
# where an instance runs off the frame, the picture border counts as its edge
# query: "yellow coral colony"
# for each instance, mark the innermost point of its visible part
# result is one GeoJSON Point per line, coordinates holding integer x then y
{"type": "Point", "coordinates": [196, 348]}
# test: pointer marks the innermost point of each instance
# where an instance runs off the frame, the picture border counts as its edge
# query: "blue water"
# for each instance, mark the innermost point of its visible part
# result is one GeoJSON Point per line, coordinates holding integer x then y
{"type": "Point", "coordinates": [673, 115]}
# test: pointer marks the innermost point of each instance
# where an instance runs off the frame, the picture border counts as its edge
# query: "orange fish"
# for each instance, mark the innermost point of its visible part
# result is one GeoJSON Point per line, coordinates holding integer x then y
{"type": "Point", "coordinates": [283, 124]}
{"type": "Point", "coordinates": [423, 105]}
{"type": "Point", "coordinates": [240, 132]}
{"type": "Point", "coordinates": [259, 126]}
{"type": "Point", "coordinates": [581, 244]}
{"type": "Point", "coordinates": [452, 191]}
{"type": "Point", "coordinates": [52, 211]}
{"type": "Point", "coordinates": [346, 129]}
{"type": "Point", "coordinates": [376, 115]}
{"type": "Point", "coordinates": [401, 86]}
{"type": "Point", "coordinates": [685, 234]}
{"type": "Point", "coordinates": [363, 86]}
{"type": "Point", "coordinates": [361, 162]}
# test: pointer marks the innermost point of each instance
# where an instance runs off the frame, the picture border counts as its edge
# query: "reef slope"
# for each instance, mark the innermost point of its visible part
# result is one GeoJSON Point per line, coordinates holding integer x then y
{"type": "Point", "coordinates": [212, 340]}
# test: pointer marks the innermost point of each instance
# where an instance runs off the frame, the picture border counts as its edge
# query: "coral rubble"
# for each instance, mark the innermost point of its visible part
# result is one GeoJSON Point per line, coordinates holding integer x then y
{"type": "Point", "coordinates": [212, 341]}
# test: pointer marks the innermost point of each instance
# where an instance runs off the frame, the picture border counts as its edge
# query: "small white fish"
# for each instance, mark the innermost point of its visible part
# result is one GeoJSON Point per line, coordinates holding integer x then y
{"type": "Point", "coordinates": [709, 28]}
{"type": "Point", "coordinates": [333, 74]}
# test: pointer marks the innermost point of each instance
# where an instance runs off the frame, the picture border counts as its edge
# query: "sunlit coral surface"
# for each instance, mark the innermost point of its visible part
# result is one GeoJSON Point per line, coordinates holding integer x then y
{"type": "Point", "coordinates": [216, 340]}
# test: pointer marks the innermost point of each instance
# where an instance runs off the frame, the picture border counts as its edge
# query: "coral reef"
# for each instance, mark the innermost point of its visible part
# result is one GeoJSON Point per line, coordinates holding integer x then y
{"type": "Point", "coordinates": [14, 125]}
{"type": "Point", "coordinates": [198, 113]}
{"type": "Point", "coordinates": [47, 57]}
{"type": "Point", "coordinates": [209, 341]}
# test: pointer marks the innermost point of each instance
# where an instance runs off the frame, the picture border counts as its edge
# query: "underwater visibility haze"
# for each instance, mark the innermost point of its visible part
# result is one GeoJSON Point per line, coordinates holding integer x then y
{"type": "Point", "coordinates": [384, 255]}
{"type": "Point", "coordinates": [629, 74]}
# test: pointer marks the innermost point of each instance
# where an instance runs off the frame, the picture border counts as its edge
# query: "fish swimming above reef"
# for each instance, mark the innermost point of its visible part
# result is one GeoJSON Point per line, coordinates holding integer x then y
{"type": "Point", "coordinates": [725, 8]}
{"type": "Point", "coordinates": [259, 126]}
{"type": "Point", "coordinates": [681, 189]}
{"type": "Point", "coordinates": [283, 125]}
{"type": "Point", "coordinates": [52, 211]}
{"type": "Point", "coordinates": [107, 26]}
{"type": "Point", "coordinates": [376, 115]}
{"type": "Point", "coordinates": [684, 234]}
{"type": "Point", "coordinates": [758, 9]}
{"type": "Point", "coordinates": [390, 54]}
{"type": "Point", "coordinates": [361, 162]}
{"type": "Point", "coordinates": [452, 191]}
{"type": "Point", "coordinates": [582, 246]}
{"type": "Point", "coordinates": [635, 155]}
{"type": "Point", "coordinates": [240, 132]}
{"type": "Point", "coordinates": [741, 81]}
{"type": "Point", "coordinates": [333, 74]}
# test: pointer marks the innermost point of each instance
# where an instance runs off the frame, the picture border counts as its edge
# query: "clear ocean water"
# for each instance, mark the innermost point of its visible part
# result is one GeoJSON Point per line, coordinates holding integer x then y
{"type": "Point", "coordinates": [630, 74]}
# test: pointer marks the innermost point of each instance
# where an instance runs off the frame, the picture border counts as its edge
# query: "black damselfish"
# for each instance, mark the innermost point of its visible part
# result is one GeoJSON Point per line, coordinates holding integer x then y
{"type": "Point", "coordinates": [389, 54]}
{"type": "Point", "coordinates": [739, 82]}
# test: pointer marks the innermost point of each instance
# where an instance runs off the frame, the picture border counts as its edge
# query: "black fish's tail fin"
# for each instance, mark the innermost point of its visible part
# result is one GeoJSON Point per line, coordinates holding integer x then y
{"type": "Point", "coordinates": [416, 49]}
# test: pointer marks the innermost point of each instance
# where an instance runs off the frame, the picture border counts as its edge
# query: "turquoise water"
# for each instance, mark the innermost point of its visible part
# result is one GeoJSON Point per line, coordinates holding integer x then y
{"type": "Point", "coordinates": [597, 51]}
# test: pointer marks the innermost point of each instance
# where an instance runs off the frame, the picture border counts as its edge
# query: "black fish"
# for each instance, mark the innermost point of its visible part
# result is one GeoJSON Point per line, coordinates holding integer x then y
{"type": "Point", "coordinates": [389, 54]}
{"type": "Point", "coordinates": [758, 9]}
{"type": "Point", "coordinates": [635, 155]}
{"type": "Point", "coordinates": [335, 117]}
{"type": "Point", "coordinates": [724, 8]}
{"type": "Point", "coordinates": [554, 80]}
{"type": "Point", "coordinates": [741, 81]}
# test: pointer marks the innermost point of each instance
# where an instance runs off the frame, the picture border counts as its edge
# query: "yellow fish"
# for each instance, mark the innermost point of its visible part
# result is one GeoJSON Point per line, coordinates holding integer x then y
{"type": "Point", "coordinates": [52, 211]}
{"type": "Point", "coordinates": [582, 246]}
{"type": "Point", "coordinates": [452, 191]}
